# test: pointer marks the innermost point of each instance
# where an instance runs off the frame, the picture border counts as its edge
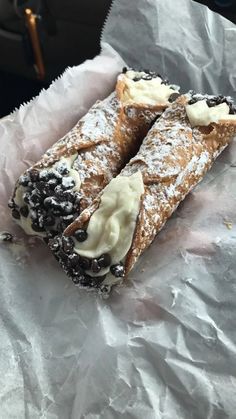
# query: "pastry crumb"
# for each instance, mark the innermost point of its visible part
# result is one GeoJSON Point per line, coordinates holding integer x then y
{"type": "Point", "coordinates": [174, 292]}
{"type": "Point", "coordinates": [5, 236]}
{"type": "Point", "coordinates": [228, 224]}
{"type": "Point", "coordinates": [187, 280]}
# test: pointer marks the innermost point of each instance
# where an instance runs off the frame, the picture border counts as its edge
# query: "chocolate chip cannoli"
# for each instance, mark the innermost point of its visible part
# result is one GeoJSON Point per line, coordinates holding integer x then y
{"type": "Point", "coordinates": [51, 194]}
{"type": "Point", "coordinates": [102, 245]}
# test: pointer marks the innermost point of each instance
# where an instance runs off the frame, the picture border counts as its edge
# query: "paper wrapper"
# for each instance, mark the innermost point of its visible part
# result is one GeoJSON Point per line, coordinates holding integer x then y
{"type": "Point", "coordinates": [164, 344]}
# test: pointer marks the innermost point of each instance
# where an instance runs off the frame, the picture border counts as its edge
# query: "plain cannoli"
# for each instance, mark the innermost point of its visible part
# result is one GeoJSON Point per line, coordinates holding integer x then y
{"type": "Point", "coordinates": [51, 194]}
{"type": "Point", "coordinates": [102, 245]}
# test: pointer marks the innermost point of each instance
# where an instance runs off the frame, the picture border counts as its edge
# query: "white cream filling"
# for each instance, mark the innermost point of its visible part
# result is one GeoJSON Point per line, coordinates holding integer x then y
{"type": "Point", "coordinates": [111, 227]}
{"type": "Point", "coordinates": [149, 92]}
{"type": "Point", "coordinates": [26, 222]}
{"type": "Point", "coordinates": [200, 114]}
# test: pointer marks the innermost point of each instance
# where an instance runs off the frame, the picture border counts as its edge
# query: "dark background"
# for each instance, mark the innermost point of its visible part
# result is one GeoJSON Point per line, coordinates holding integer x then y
{"type": "Point", "coordinates": [69, 33]}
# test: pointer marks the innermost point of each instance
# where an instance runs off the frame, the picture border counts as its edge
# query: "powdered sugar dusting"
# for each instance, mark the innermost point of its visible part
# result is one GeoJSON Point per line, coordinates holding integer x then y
{"type": "Point", "coordinates": [94, 124]}
{"type": "Point", "coordinates": [170, 152]}
{"type": "Point", "coordinates": [100, 158]}
{"type": "Point", "coordinates": [98, 124]}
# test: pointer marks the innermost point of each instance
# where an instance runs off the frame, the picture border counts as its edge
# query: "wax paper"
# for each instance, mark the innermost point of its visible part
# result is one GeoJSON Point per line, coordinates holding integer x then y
{"type": "Point", "coordinates": [164, 344]}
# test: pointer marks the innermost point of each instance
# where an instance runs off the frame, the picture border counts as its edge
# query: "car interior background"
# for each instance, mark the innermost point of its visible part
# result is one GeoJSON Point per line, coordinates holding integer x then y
{"type": "Point", "coordinates": [39, 39]}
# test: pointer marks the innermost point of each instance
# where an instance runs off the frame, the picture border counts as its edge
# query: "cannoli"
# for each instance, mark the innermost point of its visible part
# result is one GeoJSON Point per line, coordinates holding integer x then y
{"type": "Point", "coordinates": [51, 194]}
{"type": "Point", "coordinates": [102, 245]}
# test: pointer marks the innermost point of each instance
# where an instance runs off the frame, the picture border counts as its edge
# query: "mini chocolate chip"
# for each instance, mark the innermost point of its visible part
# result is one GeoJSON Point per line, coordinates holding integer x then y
{"type": "Point", "coordinates": [220, 98]}
{"type": "Point", "coordinates": [36, 198]}
{"type": "Point", "coordinates": [35, 205]}
{"type": "Point", "coordinates": [26, 197]}
{"type": "Point", "coordinates": [62, 256]}
{"type": "Point", "coordinates": [68, 182]}
{"type": "Point", "coordinates": [118, 270]}
{"type": "Point", "coordinates": [43, 188]}
{"type": "Point", "coordinates": [59, 191]}
{"type": "Point", "coordinates": [69, 196]}
{"type": "Point", "coordinates": [85, 263]}
{"type": "Point", "coordinates": [65, 222]}
{"type": "Point", "coordinates": [67, 208]}
{"type": "Point", "coordinates": [57, 175]}
{"type": "Point", "coordinates": [57, 212]}
{"type": "Point", "coordinates": [211, 103]}
{"type": "Point", "coordinates": [34, 175]}
{"type": "Point", "coordinates": [80, 235]}
{"type": "Point", "coordinates": [73, 260]}
{"type": "Point", "coordinates": [48, 202]}
{"type": "Point", "coordinates": [52, 183]}
{"type": "Point", "coordinates": [85, 280]}
{"type": "Point", "coordinates": [37, 227]}
{"type": "Point", "coordinates": [41, 212]}
{"type": "Point", "coordinates": [68, 219]}
{"type": "Point", "coordinates": [54, 244]}
{"type": "Point", "coordinates": [104, 260]}
{"type": "Point", "coordinates": [76, 270]}
{"type": "Point", "coordinates": [147, 77]}
{"type": "Point", "coordinates": [51, 202]}
{"type": "Point", "coordinates": [192, 101]}
{"type": "Point", "coordinates": [48, 221]}
{"type": "Point", "coordinates": [24, 180]}
{"type": "Point", "coordinates": [5, 236]}
{"type": "Point", "coordinates": [67, 244]}
{"type": "Point", "coordinates": [95, 266]}
{"type": "Point", "coordinates": [94, 281]}
{"type": "Point", "coordinates": [62, 195]}
{"type": "Point", "coordinates": [52, 233]}
{"type": "Point", "coordinates": [62, 168]}
{"type": "Point", "coordinates": [24, 211]}
{"type": "Point", "coordinates": [44, 175]}
{"type": "Point", "coordinates": [77, 279]}
{"type": "Point", "coordinates": [76, 198]}
{"type": "Point", "coordinates": [15, 214]}
{"type": "Point", "coordinates": [151, 73]}
{"type": "Point", "coordinates": [173, 97]}
{"type": "Point", "coordinates": [165, 81]}
{"type": "Point", "coordinates": [232, 109]}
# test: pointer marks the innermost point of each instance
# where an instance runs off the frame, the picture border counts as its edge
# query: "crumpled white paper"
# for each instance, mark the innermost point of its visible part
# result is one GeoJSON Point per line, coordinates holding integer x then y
{"type": "Point", "coordinates": [164, 345]}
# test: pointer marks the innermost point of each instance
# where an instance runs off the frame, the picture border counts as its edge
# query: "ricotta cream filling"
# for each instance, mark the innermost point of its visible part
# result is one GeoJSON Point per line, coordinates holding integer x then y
{"type": "Point", "coordinates": [148, 92]}
{"type": "Point", "coordinates": [201, 114]}
{"type": "Point", "coordinates": [111, 227]}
